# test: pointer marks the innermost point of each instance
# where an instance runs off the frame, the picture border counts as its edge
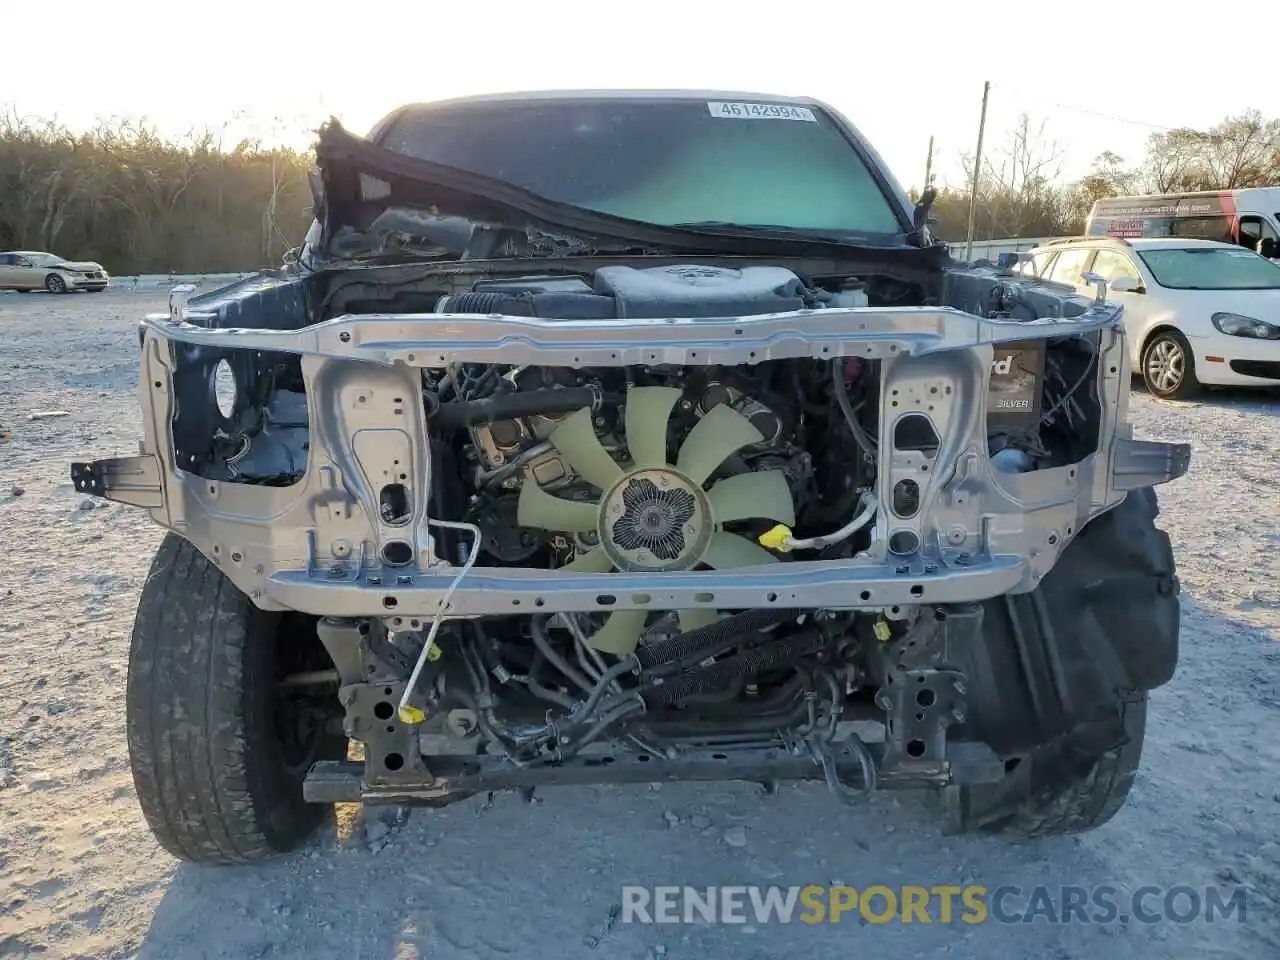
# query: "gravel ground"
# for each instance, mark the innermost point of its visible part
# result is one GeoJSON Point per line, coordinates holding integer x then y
{"type": "Point", "coordinates": [80, 875]}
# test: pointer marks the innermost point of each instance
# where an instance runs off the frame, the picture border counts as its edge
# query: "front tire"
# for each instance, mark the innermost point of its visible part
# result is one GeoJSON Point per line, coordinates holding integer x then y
{"type": "Point", "coordinates": [1068, 786]}
{"type": "Point", "coordinates": [1168, 366]}
{"type": "Point", "coordinates": [218, 754]}
{"type": "Point", "coordinates": [55, 284]}
{"type": "Point", "coordinates": [1059, 683]}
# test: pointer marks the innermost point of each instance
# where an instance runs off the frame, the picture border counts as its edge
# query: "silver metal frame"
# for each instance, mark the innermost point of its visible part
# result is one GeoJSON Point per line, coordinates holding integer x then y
{"type": "Point", "coordinates": [316, 546]}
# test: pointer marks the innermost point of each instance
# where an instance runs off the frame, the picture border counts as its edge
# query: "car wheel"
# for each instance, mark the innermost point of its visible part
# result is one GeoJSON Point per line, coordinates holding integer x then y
{"type": "Point", "coordinates": [55, 284]}
{"type": "Point", "coordinates": [218, 748]}
{"type": "Point", "coordinates": [1059, 684]}
{"type": "Point", "coordinates": [1168, 368]}
{"type": "Point", "coordinates": [1073, 785]}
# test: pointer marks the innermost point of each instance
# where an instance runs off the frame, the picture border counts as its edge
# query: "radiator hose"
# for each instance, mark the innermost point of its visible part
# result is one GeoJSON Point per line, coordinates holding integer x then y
{"type": "Point", "coordinates": [531, 403]}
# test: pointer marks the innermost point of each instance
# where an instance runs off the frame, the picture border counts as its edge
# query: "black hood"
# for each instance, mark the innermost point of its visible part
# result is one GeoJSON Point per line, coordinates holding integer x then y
{"type": "Point", "coordinates": [360, 182]}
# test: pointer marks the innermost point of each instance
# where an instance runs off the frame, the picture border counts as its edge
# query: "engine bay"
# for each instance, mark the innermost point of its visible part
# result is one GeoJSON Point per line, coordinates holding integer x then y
{"type": "Point", "coordinates": [666, 467]}
{"type": "Point", "coordinates": [591, 477]}
{"type": "Point", "coordinates": [1038, 401]}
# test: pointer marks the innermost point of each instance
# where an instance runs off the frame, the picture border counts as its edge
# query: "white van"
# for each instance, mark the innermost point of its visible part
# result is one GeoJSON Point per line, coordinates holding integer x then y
{"type": "Point", "coordinates": [1249, 218]}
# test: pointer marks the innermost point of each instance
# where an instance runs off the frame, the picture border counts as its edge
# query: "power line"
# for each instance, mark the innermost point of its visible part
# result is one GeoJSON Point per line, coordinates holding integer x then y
{"type": "Point", "coordinates": [1095, 113]}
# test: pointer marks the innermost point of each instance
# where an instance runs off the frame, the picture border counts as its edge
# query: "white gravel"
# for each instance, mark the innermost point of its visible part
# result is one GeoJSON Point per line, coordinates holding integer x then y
{"type": "Point", "coordinates": [80, 875]}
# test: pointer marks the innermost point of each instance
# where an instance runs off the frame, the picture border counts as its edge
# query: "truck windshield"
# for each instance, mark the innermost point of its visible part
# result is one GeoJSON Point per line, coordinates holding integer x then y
{"type": "Point", "coordinates": [663, 161]}
{"type": "Point", "coordinates": [1211, 268]}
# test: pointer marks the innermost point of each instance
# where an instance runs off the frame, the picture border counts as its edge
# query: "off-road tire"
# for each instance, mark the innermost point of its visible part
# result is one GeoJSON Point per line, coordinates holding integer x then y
{"type": "Point", "coordinates": [208, 765]}
{"type": "Point", "coordinates": [55, 284]}
{"type": "Point", "coordinates": [1189, 386]}
{"type": "Point", "coordinates": [1060, 681]}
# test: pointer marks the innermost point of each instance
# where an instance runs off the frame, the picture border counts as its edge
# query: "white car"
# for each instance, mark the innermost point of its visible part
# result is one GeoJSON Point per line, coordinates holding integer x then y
{"type": "Point", "coordinates": [30, 270]}
{"type": "Point", "coordinates": [1198, 312]}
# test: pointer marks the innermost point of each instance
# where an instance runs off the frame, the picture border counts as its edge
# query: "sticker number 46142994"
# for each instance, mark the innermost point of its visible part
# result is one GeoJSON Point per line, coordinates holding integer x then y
{"type": "Point", "coordinates": [760, 111]}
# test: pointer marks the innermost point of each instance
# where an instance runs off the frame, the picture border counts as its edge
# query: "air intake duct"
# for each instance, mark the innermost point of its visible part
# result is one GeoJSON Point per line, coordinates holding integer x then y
{"type": "Point", "coordinates": [550, 305]}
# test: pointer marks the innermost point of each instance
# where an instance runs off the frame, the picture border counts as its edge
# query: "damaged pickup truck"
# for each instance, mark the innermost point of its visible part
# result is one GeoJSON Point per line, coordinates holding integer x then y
{"type": "Point", "coordinates": [628, 437]}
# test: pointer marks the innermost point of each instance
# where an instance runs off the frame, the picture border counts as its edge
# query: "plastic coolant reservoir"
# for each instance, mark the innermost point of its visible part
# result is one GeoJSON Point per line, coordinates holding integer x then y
{"type": "Point", "coordinates": [852, 295]}
{"type": "Point", "coordinates": [1010, 460]}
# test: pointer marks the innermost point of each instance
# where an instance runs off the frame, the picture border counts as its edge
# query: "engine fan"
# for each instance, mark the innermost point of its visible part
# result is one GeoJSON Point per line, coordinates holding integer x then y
{"type": "Point", "coordinates": [654, 516]}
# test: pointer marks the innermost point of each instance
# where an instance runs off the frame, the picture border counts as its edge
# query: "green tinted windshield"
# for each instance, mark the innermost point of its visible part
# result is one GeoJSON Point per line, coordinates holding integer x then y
{"type": "Point", "coordinates": [1211, 268]}
{"type": "Point", "coordinates": [662, 161]}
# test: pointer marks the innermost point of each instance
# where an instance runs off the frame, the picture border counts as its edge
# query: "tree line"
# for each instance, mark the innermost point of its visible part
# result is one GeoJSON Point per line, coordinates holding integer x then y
{"type": "Point", "coordinates": [138, 202]}
{"type": "Point", "coordinates": [1021, 193]}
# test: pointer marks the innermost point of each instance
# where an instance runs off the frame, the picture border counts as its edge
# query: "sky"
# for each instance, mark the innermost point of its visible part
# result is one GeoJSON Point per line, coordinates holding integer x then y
{"type": "Point", "coordinates": [1100, 77]}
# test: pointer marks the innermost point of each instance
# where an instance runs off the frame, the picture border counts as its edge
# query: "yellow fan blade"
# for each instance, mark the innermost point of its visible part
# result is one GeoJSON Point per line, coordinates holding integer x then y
{"type": "Point", "coordinates": [728, 550]}
{"type": "Point", "coordinates": [594, 561]}
{"type": "Point", "coordinates": [621, 632]}
{"type": "Point", "coordinates": [576, 438]}
{"type": "Point", "coordinates": [648, 410]}
{"type": "Point", "coordinates": [720, 433]}
{"type": "Point", "coordinates": [537, 508]}
{"type": "Point", "coordinates": [752, 495]}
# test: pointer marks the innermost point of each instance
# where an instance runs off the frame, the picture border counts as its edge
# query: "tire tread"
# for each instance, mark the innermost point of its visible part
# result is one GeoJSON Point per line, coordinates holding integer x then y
{"type": "Point", "coordinates": [208, 780]}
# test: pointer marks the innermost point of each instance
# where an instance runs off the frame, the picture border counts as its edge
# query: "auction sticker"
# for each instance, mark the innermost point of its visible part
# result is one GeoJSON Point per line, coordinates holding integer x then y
{"type": "Point", "coordinates": [760, 111]}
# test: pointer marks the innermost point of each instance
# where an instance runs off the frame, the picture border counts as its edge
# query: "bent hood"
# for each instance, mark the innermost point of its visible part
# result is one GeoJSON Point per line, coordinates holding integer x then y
{"type": "Point", "coordinates": [357, 182]}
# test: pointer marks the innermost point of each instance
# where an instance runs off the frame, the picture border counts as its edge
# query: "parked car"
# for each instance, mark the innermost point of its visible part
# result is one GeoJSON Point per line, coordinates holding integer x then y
{"type": "Point", "coordinates": [620, 437]}
{"type": "Point", "coordinates": [1198, 312]}
{"type": "Point", "coordinates": [30, 270]}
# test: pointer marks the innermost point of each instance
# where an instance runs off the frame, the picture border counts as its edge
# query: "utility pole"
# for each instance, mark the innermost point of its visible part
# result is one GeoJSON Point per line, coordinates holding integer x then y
{"type": "Point", "coordinates": [928, 165]}
{"type": "Point", "coordinates": [977, 170]}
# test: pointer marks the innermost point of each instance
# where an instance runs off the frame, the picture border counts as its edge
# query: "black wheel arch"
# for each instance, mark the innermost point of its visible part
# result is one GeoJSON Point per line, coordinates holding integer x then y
{"type": "Point", "coordinates": [1101, 627]}
{"type": "Point", "coordinates": [1059, 684]}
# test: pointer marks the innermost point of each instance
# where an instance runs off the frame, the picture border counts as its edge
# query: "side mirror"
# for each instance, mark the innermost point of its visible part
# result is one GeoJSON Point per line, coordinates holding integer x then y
{"type": "Point", "coordinates": [1127, 285]}
{"type": "Point", "coordinates": [1013, 261]}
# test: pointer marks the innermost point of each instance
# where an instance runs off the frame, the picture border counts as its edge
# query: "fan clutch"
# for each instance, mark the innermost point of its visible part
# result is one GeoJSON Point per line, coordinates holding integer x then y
{"type": "Point", "coordinates": [654, 516]}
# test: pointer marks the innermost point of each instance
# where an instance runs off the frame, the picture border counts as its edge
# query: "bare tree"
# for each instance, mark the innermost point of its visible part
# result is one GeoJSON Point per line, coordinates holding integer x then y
{"type": "Point", "coordinates": [1016, 193]}
{"type": "Point", "coordinates": [1239, 151]}
{"type": "Point", "coordinates": [1242, 151]}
